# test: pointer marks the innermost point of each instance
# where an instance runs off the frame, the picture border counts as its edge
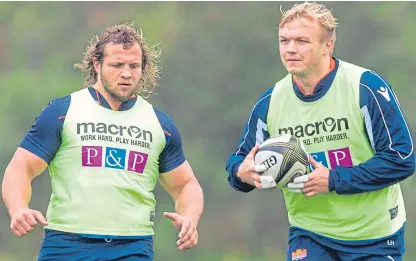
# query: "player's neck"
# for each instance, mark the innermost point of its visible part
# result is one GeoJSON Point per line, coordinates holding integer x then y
{"type": "Point", "coordinates": [308, 83]}
{"type": "Point", "coordinates": [114, 103]}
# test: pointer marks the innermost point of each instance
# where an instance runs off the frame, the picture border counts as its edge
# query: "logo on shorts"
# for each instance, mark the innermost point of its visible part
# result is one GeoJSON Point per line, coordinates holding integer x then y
{"type": "Point", "coordinates": [299, 254]}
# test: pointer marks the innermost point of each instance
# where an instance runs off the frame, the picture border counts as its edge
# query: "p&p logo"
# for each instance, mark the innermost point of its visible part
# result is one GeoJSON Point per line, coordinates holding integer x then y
{"type": "Point", "coordinates": [97, 156]}
{"type": "Point", "coordinates": [337, 157]}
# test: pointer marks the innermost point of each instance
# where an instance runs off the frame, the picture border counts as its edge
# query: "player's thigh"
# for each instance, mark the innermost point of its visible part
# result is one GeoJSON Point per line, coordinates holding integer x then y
{"type": "Point", "coordinates": [306, 249]}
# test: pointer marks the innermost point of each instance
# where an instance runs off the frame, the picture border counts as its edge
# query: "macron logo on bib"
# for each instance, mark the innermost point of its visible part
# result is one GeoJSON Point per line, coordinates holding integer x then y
{"type": "Point", "coordinates": [114, 158]}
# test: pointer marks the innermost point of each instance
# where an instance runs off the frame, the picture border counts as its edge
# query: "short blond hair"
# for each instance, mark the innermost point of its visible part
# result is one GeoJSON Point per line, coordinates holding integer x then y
{"type": "Point", "coordinates": [314, 11]}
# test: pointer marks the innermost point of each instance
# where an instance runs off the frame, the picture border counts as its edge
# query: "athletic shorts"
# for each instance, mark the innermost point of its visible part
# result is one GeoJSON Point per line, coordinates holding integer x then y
{"type": "Point", "coordinates": [62, 246]}
{"type": "Point", "coordinates": [304, 248]}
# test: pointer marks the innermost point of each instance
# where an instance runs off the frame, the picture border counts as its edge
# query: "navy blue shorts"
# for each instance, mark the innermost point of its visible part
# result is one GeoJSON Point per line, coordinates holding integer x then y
{"type": "Point", "coordinates": [304, 248]}
{"type": "Point", "coordinates": [61, 246]}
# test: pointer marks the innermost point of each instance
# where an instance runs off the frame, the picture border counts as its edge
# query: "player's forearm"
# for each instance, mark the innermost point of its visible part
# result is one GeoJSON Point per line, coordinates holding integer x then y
{"type": "Point", "coordinates": [377, 173]}
{"type": "Point", "coordinates": [16, 187]}
{"type": "Point", "coordinates": [190, 201]}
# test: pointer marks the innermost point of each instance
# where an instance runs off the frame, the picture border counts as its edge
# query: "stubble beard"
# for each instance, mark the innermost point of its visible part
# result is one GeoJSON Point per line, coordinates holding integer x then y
{"type": "Point", "coordinates": [113, 93]}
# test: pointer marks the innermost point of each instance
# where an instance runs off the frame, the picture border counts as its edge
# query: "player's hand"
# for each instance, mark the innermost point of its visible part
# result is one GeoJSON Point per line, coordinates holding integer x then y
{"type": "Point", "coordinates": [24, 220]}
{"type": "Point", "coordinates": [314, 183]}
{"type": "Point", "coordinates": [188, 235]}
{"type": "Point", "coordinates": [249, 171]}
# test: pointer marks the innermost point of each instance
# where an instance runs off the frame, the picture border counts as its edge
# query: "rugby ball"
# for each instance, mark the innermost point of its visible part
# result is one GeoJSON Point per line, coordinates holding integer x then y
{"type": "Point", "coordinates": [285, 158]}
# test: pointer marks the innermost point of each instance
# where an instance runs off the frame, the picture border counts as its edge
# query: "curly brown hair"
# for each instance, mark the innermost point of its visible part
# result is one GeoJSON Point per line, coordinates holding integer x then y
{"type": "Point", "coordinates": [126, 34]}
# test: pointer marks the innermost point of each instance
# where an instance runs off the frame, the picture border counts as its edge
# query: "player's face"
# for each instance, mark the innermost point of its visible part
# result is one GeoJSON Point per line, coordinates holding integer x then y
{"type": "Point", "coordinates": [302, 46]}
{"type": "Point", "coordinates": [121, 70]}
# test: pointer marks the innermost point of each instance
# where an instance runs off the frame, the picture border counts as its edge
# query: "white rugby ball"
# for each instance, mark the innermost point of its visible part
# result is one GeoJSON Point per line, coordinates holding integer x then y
{"type": "Point", "coordinates": [285, 158]}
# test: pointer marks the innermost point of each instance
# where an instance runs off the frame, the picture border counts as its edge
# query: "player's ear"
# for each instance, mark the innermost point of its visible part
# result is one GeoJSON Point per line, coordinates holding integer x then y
{"type": "Point", "coordinates": [96, 65]}
{"type": "Point", "coordinates": [329, 46]}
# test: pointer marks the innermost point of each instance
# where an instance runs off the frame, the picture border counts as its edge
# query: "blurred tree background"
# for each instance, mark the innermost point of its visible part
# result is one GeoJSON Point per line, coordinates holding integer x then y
{"type": "Point", "coordinates": [218, 58]}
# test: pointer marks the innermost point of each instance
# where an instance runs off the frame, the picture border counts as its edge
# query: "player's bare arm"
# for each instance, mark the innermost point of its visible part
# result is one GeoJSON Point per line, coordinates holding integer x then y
{"type": "Point", "coordinates": [17, 190]}
{"type": "Point", "coordinates": [185, 190]}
